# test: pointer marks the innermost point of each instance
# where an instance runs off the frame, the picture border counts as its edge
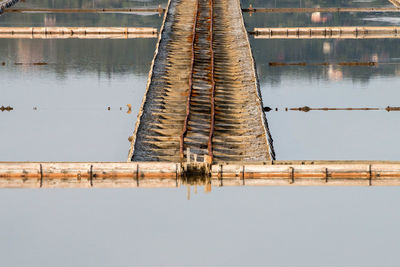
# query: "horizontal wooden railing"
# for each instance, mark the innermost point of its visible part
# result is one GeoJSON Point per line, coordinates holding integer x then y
{"type": "Point", "coordinates": [167, 174]}
{"type": "Point", "coordinates": [77, 32]}
{"type": "Point", "coordinates": [353, 32]}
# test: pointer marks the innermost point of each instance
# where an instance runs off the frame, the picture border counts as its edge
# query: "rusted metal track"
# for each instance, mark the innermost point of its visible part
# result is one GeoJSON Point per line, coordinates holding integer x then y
{"type": "Point", "coordinates": [203, 97]}
{"type": "Point", "coordinates": [201, 108]}
{"type": "Point", "coordinates": [190, 86]}
{"type": "Point", "coordinates": [212, 116]}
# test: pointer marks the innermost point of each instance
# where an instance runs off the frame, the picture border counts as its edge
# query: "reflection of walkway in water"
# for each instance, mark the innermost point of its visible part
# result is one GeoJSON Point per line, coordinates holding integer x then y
{"type": "Point", "coordinates": [203, 94]}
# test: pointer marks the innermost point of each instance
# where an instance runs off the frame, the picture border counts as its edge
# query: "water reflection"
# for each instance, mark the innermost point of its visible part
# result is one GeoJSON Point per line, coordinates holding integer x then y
{"type": "Point", "coordinates": [98, 56]}
{"type": "Point", "coordinates": [78, 19]}
{"type": "Point", "coordinates": [90, 3]}
{"type": "Point", "coordinates": [66, 101]}
{"type": "Point", "coordinates": [318, 19]}
{"type": "Point", "coordinates": [315, 3]}
{"type": "Point", "coordinates": [385, 53]}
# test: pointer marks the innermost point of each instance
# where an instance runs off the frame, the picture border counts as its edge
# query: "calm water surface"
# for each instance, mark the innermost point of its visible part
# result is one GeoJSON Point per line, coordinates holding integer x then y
{"type": "Point", "coordinates": [61, 114]}
{"type": "Point", "coordinates": [67, 100]}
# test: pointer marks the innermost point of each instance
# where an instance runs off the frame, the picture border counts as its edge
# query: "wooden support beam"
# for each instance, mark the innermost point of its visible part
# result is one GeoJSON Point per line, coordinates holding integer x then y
{"type": "Point", "coordinates": [161, 10]}
{"type": "Point", "coordinates": [85, 10]}
{"type": "Point", "coordinates": [315, 173]}
{"type": "Point", "coordinates": [77, 32]}
{"type": "Point", "coordinates": [354, 32]}
{"type": "Point", "coordinates": [88, 174]}
{"type": "Point", "coordinates": [322, 9]}
{"type": "Point", "coordinates": [169, 174]}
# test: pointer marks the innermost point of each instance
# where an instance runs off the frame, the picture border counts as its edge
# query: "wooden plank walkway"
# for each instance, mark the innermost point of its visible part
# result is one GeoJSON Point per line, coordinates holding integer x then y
{"type": "Point", "coordinates": [202, 94]}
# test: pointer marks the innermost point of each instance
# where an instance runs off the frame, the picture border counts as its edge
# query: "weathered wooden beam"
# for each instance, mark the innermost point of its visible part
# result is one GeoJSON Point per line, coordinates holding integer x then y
{"type": "Point", "coordinates": [354, 32]}
{"type": "Point", "coordinates": [169, 174]}
{"type": "Point", "coordinates": [318, 173]}
{"type": "Point", "coordinates": [162, 10]}
{"type": "Point", "coordinates": [77, 36]}
{"type": "Point", "coordinates": [322, 9]}
{"type": "Point", "coordinates": [86, 174]}
{"type": "Point", "coordinates": [85, 10]}
{"type": "Point", "coordinates": [77, 32]}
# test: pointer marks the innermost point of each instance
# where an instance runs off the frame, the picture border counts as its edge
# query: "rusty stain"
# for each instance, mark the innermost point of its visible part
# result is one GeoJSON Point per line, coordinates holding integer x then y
{"type": "Point", "coordinates": [307, 109]}
{"type": "Point", "coordinates": [353, 63]}
{"type": "Point", "coordinates": [7, 108]}
{"type": "Point", "coordinates": [357, 63]}
{"type": "Point", "coordinates": [190, 83]}
{"type": "Point", "coordinates": [279, 64]}
{"type": "Point", "coordinates": [388, 108]}
{"type": "Point", "coordinates": [210, 144]}
{"type": "Point", "coordinates": [32, 64]}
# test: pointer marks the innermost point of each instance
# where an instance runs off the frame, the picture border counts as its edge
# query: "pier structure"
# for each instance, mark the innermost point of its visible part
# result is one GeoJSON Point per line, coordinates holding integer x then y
{"type": "Point", "coordinates": [201, 121]}
{"type": "Point", "coordinates": [202, 97]}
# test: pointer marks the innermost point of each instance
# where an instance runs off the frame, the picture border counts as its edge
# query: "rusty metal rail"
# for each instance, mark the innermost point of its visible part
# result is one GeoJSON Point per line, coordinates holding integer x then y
{"type": "Point", "coordinates": [203, 96]}
{"type": "Point", "coordinates": [212, 67]}
{"type": "Point", "coordinates": [201, 87]}
{"type": "Point", "coordinates": [190, 86]}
